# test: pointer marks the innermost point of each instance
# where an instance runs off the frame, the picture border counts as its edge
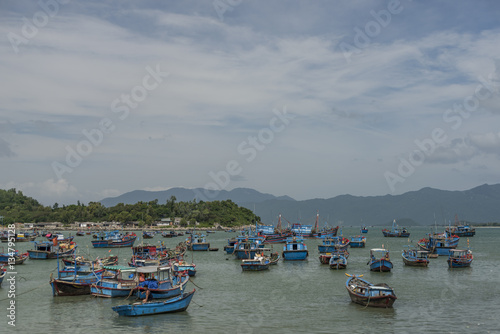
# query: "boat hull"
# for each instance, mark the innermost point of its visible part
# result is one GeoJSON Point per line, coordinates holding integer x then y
{"type": "Point", "coordinates": [176, 304]}
{"type": "Point", "coordinates": [295, 255]}
{"type": "Point", "coordinates": [381, 265]}
{"type": "Point", "coordinates": [203, 246]}
{"type": "Point", "coordinates": [113, 243]}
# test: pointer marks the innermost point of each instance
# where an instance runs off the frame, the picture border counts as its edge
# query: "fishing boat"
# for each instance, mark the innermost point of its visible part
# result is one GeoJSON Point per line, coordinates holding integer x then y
{"type": "Point", "coordinates": [333, 244]}
{"type": "Point", "coordinates": [357, 241]}
{"type": "Point", "coordinates": [82, 261]}
{"type": "Point", "coordinates": [14, 257]}
{"type": "Point", "coordinates": [169, 234]}
{"type": "Point", "coordinates": [161, 282]}
{"type": "Point", "coordinates": [3, 272]}
{"type": "Point", "coordinates": [51, 250]}
{"type": "Point", "coordinates": [363, 229]}
{"type": "Point", "coordinates": [415, 258]}
{"type": "Point", "coordinates": [184, 266]}
{"type": "Point", "coordinates": [439, 243]}
{"type": "Point", "coordinates": [75, 280]}
{"type": "Point", "coordinates": [116, 281]}
{"type": "Point", "coordinates": [19, 237]}
{"type": "Point", "coordinates": [295, 249]}
{"type": "Point", "coordinates": [229, 248]}
{"type": "Point", "coordinates": [248, 246]}
{"type": "Point", "coordinates": [380, 260]}
{"type": "Point", "coordinates": [149, 255]}
{"type": "Point", "coordinates": [367, 294]}
{"type": "Point", "coordinates": [274, 258]}
{"type": "Point", "coordinates": [148, 235]}
{"type": "Point", "coordinates": [80, 233]}
{"type": "Point", "coordinates": [258, 263]}
{"type": "Point", "coordinates": [176, 304]}
{"type": "Point", "coordinates": [460, 258]}
{"type": "Point", "coordinates": [324, 258]}
{"type": "Point", "coordinates": [197, 242]}
{"type": "Point", "coordinates": [461, 229]}
{"type": "Point", "coordinates": [396, 231]}
{"type": "Point", "coordinates": [60, 237]}
{"type": "Point", "coordinates": [338, 261]}
{"type": "Point", "coordinates": [113, 239]}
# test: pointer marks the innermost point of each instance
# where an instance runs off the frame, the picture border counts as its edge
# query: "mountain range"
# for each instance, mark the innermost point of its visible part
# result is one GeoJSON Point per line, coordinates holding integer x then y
{"type": "Point", "coordinates": [426, 206]}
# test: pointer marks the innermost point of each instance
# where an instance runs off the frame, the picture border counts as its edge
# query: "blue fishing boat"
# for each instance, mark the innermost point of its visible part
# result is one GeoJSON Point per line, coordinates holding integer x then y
{"type": "Point", "coordinates": [380, 260]}
{"type": "Point", "coordinates": [363, 229]}
{"type": "Point", "coordinates": [460, 258]}
{"type": "Point", "coordinates": [415, 258]}
{"type": "Point", "coordinates": [148, 235]}
{"type": "Point", "coordinates": [461, 229]}
{"type": "Point", "coordinates": [229, 248]}
{"type": "Point", "coordinates": [19, 237]}
{"type": "Point", "coordinates": [338, 261]}
{"type": "Point", "coordinates": [367, 294]}
{"type": "Point", "coordinates": [197, 242]}
{"type": "Point", "coordinates": [396, 231]}
{"type": "Point", "coordinates": [14, 257]}
{"type": "Point", "coordinates": [113, 239]}
{"type": "Point", "coordinates": [117, 281]}
{"type": "Point", "coordinates": [295, 249]}
{"type": "Point", "coordinates": [333, 244]}
{"type": "Point", "coordinates": [3, 272]}
{"type": "Point", "coordinates": [248, 246]}
{"type": "Point", "coordinates": [258, 263]}
{"type": "Point", "coordinates": [51, 250]}
{"type": "Point", "coordinates": [149, 255]}
{"type": "Point", "coordinates": [160, 281]}
{"type": "Point", "coordinates": [324, 258]}
{"type": "Point", "coordinates": [175, 304]}
{"type": "Point", "coordinates": [357, 241]}
{"type": "Point", "coordinates": [439, 243]}
{"type": "Point", "coordinates": [181, 266]}
{"type": "Point", "coordinates": [74, 281]}
{"type": "Point", "coordinates": [169, 234]}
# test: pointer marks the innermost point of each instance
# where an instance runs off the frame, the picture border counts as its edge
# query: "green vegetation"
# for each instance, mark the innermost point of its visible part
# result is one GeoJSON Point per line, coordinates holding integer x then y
{"type": "Point", "coordinates": [15, 207]}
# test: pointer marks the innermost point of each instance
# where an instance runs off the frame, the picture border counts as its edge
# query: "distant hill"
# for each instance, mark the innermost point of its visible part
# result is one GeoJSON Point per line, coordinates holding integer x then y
{"type": "Point", "coordinates": [423, 207]}
{"type": "Point", "coordinates": [237, 195]}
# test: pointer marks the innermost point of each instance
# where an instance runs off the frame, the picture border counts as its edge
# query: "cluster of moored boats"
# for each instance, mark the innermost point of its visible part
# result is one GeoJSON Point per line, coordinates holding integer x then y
{"type": "Point", "coordinates": [157, 275]}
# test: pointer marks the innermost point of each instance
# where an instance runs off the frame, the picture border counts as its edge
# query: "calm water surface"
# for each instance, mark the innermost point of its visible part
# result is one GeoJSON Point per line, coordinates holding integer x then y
{"type": "Point", "coordinates": [298, 297]}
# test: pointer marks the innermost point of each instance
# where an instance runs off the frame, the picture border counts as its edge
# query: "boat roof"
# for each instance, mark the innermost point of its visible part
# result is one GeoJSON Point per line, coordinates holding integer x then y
{"type": "Point", "coordinates": [151, 269]}
{"type": "Point", "coordinates": [121, 268]}
{"type": "Point", "coordinates": [379, 250]}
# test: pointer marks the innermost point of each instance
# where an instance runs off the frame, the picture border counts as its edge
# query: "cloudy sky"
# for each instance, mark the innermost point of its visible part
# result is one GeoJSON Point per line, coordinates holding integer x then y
{"type": "Point", "coordinates": [310, 99]}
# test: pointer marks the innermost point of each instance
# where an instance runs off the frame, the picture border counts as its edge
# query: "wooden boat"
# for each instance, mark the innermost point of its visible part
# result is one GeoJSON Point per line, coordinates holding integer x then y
{"type": "Point", "coordinates": [357, 241]}
{"type": "Point", "coordinates": [333, 244]}
{"type": "Point", "coordinates": [248, 246]}
{"type": "Point", "coordinates": [148, 235]}
{"type": "Point", "coordinates": [363, 229]}
{"type": "Point", "coordinates": [380, 260]}
{"type": "Point", "coordinates": [460, 258]}
{"type": "Point", "coordinates": [113, 239]}
{"type": "Point", "coordinates": [80, 261]}
{"type": "Point", "coordinates": [14, 257]}
{"type": "Point", "coordinates": [338, 261]}
{"type": "Point", "coordinates": [3, 272]}
{"type": "Point", "coordinates": [47, 250]}
{"type": "Point", "coordinates": [80, 233]}
{"type": "Point", "coordinates": [439, 243]}
{"type": "Point", "coordinates": [295, 249]}
{"type": "Point", "coordinates": [274, 258]}
{"type": "Point", "coordinates": [73, 282]}
{"type": "Point", "coordinates": [324, 258]}
{"type": "Point", "coordinates": [415, 258]}
{"type": "Point", "coordinates": [183, 266]}
{"type": "Point", "coordinates": [258, 263]}
{"type": "Point", "coordinates": [60, 237]}
{"type": "Point", "coordinates": [149, 255]}
{"type": "Point", "coordinates": [197, 242]}
{"type": "Point", "coordinates": [396, 231]}
{"type": "Point", "coordinates": [19, 237]}
{"type": "Point", "coordinates": [161, 282]}
{"type": "Point", "coordinates": [367, 294]}
{"type": "Point", "coordinates": [116, 281]}
{"type": "Point", "coordinates": [460, 229]}
{"type": "Point", "coordinates": [229, 248]}
{"type": "Point", "coordinates": [169, 234]}
{"type": "Point", "coordinates": [176, 304]}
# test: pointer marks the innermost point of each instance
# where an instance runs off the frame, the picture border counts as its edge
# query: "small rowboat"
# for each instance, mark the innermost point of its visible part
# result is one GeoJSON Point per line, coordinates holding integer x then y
{"type": "Point", "coordinates": [368, 294]}
{"type": "Point", "coordinates": [175, 304]}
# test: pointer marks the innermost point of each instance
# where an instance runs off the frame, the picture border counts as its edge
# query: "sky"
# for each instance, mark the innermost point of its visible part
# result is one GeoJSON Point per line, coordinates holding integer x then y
{"type": "Point", "coordinates": [310, 99]}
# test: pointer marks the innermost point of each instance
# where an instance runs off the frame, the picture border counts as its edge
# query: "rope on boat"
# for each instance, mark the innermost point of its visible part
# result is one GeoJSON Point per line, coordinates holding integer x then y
{"type": "Point", "coordinates": [195, 284]}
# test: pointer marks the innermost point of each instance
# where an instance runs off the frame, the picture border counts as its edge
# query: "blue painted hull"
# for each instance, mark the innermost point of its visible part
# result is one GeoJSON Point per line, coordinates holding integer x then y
{"type": "Point", "coordinates": [176, 304]}
{"type": "Point", "coordinates": [200, 247]}
{"type": "Point", "coordinates": [381, 265]}
{"type": "Point", "coordinates": [113, 243]}
{"type": "Point", "coordinates": [245, 254]}
{"type": "Point", "coordinates": [46, 255]}
{"type": "Point", "coordinates": [295, 255]}
{"type": "Point", "coordinates": [355, 244]}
